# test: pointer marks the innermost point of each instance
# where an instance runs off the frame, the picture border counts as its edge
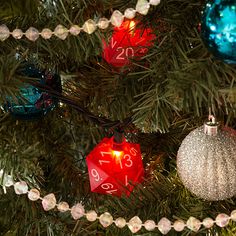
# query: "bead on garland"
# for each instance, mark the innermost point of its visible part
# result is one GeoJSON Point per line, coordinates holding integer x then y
{"type": "Point", "coordinates": [106, 219]}
{"type": "Point", "coordinates": [88, 27]}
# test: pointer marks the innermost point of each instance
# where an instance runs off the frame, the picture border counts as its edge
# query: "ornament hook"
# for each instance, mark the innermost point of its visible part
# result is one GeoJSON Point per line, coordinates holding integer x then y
{"type": "Point", "coordinates": [211, 126]}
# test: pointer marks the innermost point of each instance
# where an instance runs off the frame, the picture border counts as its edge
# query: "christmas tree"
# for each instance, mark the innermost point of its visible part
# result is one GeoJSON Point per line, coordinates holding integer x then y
{"type": "Point", "coordinates": [158, 88]}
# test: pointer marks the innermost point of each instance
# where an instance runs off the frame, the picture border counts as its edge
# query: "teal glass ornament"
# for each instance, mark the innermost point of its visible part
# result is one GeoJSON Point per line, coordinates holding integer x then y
{"type": "Point", "coordinates": [32, 102]}
{"type": "Point", "coordinates": [218, 29]}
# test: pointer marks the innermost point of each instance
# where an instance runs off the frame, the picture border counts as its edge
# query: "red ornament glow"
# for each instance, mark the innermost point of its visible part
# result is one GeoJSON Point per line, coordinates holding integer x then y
{"type": "Point", "coordinates": [127, 41]}
{"type": "Point", "coordinates": [114, 168]}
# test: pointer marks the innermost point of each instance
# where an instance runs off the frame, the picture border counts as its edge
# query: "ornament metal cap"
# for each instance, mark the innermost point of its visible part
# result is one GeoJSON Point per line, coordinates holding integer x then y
{"type": "Point", "coordinates": [211, 126]}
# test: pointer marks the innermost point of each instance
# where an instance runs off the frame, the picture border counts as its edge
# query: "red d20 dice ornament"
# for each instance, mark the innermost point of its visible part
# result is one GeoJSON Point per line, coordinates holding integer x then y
{"type": "Point", "coordinates": [114, 168]}
{"type": "Point", "coordinates": [128, 41]}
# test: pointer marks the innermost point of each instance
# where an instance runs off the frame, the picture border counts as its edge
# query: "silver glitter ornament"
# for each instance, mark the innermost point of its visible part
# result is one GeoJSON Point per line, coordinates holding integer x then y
{"type": "Point", "coordinates": [206, 163]}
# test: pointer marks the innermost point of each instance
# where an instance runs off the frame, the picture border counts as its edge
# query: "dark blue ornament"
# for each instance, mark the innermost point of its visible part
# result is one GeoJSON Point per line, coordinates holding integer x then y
{"type": "Point", "coordinates": [34, 103]}
{"type": "Point", "coordinates": [218, 29]}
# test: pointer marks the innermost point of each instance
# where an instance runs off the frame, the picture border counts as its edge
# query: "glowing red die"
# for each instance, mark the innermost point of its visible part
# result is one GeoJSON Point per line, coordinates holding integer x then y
{"type": "Point", "coordinates": [128, 41]}
{"type": "Point", "coordinates": [114, 168]}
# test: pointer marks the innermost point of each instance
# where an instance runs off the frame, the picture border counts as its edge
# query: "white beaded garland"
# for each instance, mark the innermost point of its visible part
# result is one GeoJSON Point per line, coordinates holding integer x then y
{"type": "Point", "coordinates": [233, 215]}
{"type": "Point", "coordinates": [61, 32]}
{"type": "Point", "coordinates": [149, 225]}
{"type": "Point", "coordinates": [21, 187]}
{"type": "Point", "coordinates": [208, 222]}
{"type": "Point", "coordinates": [154, 2]}
{"type": "Point", "coordinates": [49, 202]}
{"type": "Point", "coordinates": [106, 219]}
{"type": "Point", "coordinates": [103, 23]}
{"type": "Point", "coordinates": [63, 206]}
{"type": "Point", "coordinates": [117, 18]}
{"type": "Point", "coordinates": [7, 181]}
{"type": "Point", "coordinates": [142, 7]}
{"type": "Point", "coordinates": [4, 32]}
{"type": "Point", "coordinates": [91, 215]}
{"type": "Point", "coordinates": [89, 26]}
{"type": "Point", "coordinates": [193, 224]}
{"type": "Point", "coordinates": [222, 220]}
{"type": "Point", "coordinates": [130, 13]}
{"type": "Point", "coordinates": [74, 30]}
{"type": "Point", "coordinates": [34, 194]}
{"type": "Point", "coordinates": [17, 33]}
{"type": "Point", "coordinates": [46, 33]}
{"type": "Point", "coordinates": [120, 222]}
{"type": "Point", "coordinates": [134, 224]}
{"type": "Point", "coordinates": [77, 211]}
{"type": "Point", "coordinates": [32, 34]}
{"type": "Point", "coordinates": [179, 225]}
{"type": "Point", "coordinates": [164, 225]}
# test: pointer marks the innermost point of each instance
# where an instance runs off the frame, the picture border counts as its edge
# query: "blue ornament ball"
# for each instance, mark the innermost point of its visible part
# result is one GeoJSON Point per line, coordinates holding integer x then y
{"type": "Point", "coordinates": [32, 102]}
{"type": "Point", "coordinates": [218, 29]}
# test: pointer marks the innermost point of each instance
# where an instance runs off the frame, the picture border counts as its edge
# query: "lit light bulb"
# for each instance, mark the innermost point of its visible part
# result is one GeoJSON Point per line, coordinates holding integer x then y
{"type": "Point", "coordinates": [131, 27]}
{"type": "Point", "coordinates": [132, 24]}
{"type": "Point", "coordinates": [117, 154]}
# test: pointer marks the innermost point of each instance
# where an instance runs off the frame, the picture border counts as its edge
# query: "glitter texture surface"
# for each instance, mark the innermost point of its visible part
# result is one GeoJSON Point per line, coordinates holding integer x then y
{"type": "Point", "coordinates": [218, 29]}
{"type": "Point", "coordinates": [207, 164]}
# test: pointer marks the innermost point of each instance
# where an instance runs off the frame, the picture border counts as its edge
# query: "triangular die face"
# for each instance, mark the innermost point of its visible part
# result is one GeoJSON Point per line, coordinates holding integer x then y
{"type": "Point", "coordinates": [140, 175]}
{"type": "Point", "coordinates": [96, 175]}
{"type": "Point", "coordinates": [104, 143]}
{"type": "Point", "coordinates": [101, 155]}
{"type": "Point", "coordinates": [127, 177]}
{"type": "Point", "coordinates": [122, 39]}
{"type": "Point", "coordinates": [127, 41]}
{"type": "Point", "coordinates": [135, 150]}
{"type": "Point", "coordinates": [128, 180]}
{"type": "Point", "coordinates": [132, 158]}
{"type": "Point", "coordinates": [136, 37]}
{"type": "Point", "coordinates": [103, 159]}
{"type": "Point", "coordinates": [110, 187]}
